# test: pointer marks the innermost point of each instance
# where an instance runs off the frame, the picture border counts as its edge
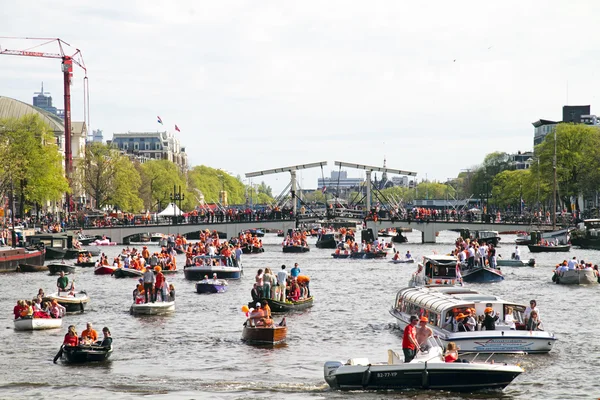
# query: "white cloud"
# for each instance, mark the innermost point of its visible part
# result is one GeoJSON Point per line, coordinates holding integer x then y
{"type": "Point", "coordinates": [259, 85]}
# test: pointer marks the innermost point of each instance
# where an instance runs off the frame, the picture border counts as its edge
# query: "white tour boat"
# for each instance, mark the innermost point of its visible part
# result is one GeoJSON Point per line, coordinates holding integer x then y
{"type": "Point", "coordinates": [440, 302]}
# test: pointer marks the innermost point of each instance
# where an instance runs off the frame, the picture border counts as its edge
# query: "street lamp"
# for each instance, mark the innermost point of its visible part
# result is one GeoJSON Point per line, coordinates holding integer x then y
{"type": "Point", "coordinates": [174, 197]}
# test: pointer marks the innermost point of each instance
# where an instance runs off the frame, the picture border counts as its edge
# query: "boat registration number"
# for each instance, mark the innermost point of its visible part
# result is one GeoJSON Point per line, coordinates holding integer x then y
{"type": "Point", "coordinates": [386, 374]}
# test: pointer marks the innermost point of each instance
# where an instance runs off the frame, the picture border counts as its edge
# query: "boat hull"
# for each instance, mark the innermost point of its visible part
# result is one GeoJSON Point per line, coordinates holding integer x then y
{"type": "Point", "coordinates": [576, 277]}
{"type": "Point", "coordinates": [284, 307]}
{"type": "Point", "coordinates": [481, 275]}
{"type": "Point", "coordinates": [259, 335]}
{"type": "Point", "coordinates": [104, 270]}
{"type": "Point", "coordinates": [85, 264]}
{"type": "Point", "coordinates": [11, 258]}
{"type": "Point", "coordinates": [210, 288]}
{"type": "Point", "coordinates": [361, 255]}
{"type": "Point", "coordinates": [34, 324]}
{"type": "Point", "coordinates": [84, 354]}
{"type": "Point", "coordinates": [198, 273]}
{"type": "Point", "coordinates": [252, 250]}
{"type": "Point", "coordinates": [71, 304]}
{"type": "Point", "coordinates": [403, 261]}
{"type": "Point", "coordinates": [296, 249]}
{"type": "Point", "coordinates": [515, 263]}
{"type": "Point", "coordinates": [461, 377]}
{"type": "Point", "coordinates": [127, 273]}
{"type": "Point", "coordinates": [55, 253]}
{"type": "Point", "coordinates": [31, 268]}
{"type": "Point", "coordinates": [57, 268]}
{"type": "Point", "coordinates": [156, 308]}
{"type": "Point", "coordinates": [328, 243]}
{"type": "Point", "coordinates": [549, 249]}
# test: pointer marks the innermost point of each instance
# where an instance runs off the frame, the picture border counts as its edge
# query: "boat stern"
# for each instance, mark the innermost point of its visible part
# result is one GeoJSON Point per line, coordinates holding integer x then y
{"type": "Point", "coordinates": [329, 370]}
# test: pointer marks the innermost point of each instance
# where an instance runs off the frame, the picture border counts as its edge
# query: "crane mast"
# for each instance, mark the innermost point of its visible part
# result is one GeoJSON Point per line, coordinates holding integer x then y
{"type": "Point", "coordinates": [67, 70]}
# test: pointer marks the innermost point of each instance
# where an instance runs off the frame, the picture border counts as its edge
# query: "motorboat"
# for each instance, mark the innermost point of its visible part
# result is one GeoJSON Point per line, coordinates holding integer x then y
{"type": "Point", "coordinates": [85, 264]}
{"type": "Point", "coordinates": [156, 237]}
{"type": "Point", "coordinates": [560, 248]}
{"type": "Point", "coordinates": [34, 324]}
{"type": "Point", "coordinates": [211, 286]}
{"type": "Point", "coordinates": [58, 268]}
{"type": "Point", "coordinates": [515, 263]}
{"type": "Point", "coordinates": [224, 267]}
{"type": "Point", "coordinates": [263, 335]}
{"type": "Point", "coordinates": [480, 274]}
{"type": "Point", "coordinates": [327, 240]}
{"type": "Point", "coordinates": [440, 303]}
{"type": "Point", "coordinates": [586, 276]}
{"type": "Point", "coordinates": [73, 303]}
{"type": "Point", "coordinates": [127, 273]}
{"type": "Point", "coordinates": [102, 269]}
{"type": "Point", "coordinates": [156, 308]}
{"type": "Point", "coordinates": [250, 249]}
{"type": "Point", "coordinates": [296, 249]}
{"type": "Point", "coordinates": [85, 353]}
{"type": "Point", "coordinates": [281, 307]}
{"type": "Point", "coordinates": [589, 237]}
{"type": "Point", "coordinates": [562, 236]}
{"type": "Point", "coordinates": [427, 370]}
{"type": "Point", "coordinates": [403, 261]}
{"type": "Point", "coordinates": [363, 255]}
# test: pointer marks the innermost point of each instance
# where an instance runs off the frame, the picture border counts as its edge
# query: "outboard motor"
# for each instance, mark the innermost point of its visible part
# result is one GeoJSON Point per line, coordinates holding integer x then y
{"type": "Point", "coordinates": [329, 373]}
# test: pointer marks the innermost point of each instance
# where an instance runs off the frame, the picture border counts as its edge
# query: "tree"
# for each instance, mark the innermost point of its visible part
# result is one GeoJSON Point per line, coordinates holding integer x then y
{"type": "Point", "coordinates": [263, 188]}
{"type": "Point", "coordinates": [30, 159]}
{"type": "Point", "coordinates": [577, 160]}
{"type": "Point", "coordinates": [110, 178]}
{"type": "Point", "coordinates": [211, 181]}
{"type": "Point", "coordinates": [158, 178]}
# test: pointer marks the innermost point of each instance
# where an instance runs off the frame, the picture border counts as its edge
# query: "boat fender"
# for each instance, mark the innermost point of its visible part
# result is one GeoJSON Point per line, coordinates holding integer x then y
{"type": "Point", "coordinates": [366, 376]}
{"type": "Point", "coordinates": [425, 378]}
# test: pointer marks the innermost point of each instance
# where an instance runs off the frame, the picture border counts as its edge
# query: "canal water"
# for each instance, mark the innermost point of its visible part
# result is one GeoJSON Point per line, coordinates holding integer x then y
{"type": "Point", "coordinates": [197, 352]}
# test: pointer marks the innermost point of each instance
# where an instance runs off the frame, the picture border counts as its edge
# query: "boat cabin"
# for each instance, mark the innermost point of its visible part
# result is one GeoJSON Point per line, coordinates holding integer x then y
{"type": "Point", "coordinates": [435, 270]}
{"type": "Point", "coordinates": [57, 240]}
{"type": "Point", "coordinates": [439, 303]}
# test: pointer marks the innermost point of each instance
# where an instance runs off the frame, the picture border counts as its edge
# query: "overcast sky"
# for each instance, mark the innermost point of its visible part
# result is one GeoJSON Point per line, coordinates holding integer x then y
{"type": "Point", "coordinates": [432, 86]}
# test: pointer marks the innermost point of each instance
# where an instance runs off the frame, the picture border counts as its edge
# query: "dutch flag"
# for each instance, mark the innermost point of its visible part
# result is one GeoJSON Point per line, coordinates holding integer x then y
{"type": "Point", "coordinates": [159, 120]}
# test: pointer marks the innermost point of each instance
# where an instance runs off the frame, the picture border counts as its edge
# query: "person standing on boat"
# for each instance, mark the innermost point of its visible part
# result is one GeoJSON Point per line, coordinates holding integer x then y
{"type": "Point", "coordinates": [238, 254]}
{"type": "Point", "coordinates": [149, 280]}
{"type": "Point", "coordinates": [532, 307]}
{"type": "Point", "coordinates": [409, 340]}
{"type": "Point", "coordinates": [295, 271]}
{"type": "Point", "coordinates": [62, 282]}
{"type": "Point", "coordinates": [489, 322]}
{"type": "Point", "coordinates": [423, 333]}
{"type": "Point", "coordinates": [159, 286]}
{"type": "Point", "coordinates": [281, 282]}
{"type": "Point", "coordinates": [517, 253]}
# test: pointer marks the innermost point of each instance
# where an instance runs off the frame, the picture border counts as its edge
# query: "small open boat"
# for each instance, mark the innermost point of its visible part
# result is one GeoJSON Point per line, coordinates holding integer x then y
{"type": "Point", "coordinates": [211, 287]}
{"type": "Point", "coordinates": [57, 268]}
{"type": "Point", "coordinates": [534, 248]}
{"type": "Point", "coordinates": [252, 249]}
{"type": "Point", "coordinates": [296, 249]}
{"type": "Point", "coordinates": [86, 353]}
{"type": "Point", "coordinates": [104, 270]}
{"type": "Point", "coordinates": [73, 304]}
{"type": "Point", "coordinates": [515, 263]}
{"type": "Point", "coordinates": [31, 268]}
{"type": "Point", "coordinates": [34, 324]}
{"type": "Point", "coordinates": [127, 273]}
{"type": "Point", "coordinates": [576, 277]}
{"type": "Point", "coordinates": [283, 307]}
{"type": "Point", "coordinates": [361, 255]}
{"type": "Point", "coordinates": [481, 274]}
{"type": "Point", "coordinates": [403, 261]}
{"type": "Point", "coordinates": [156, 308]}
{"type": "Point", "coordinates": [86, 264]}
{"type": "Point", "coordinates": [264, 335]}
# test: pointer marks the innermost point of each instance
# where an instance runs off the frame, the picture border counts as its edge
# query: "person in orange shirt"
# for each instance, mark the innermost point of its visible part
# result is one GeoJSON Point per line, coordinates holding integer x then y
{"type": "Point", "coordinates": [89, 335]}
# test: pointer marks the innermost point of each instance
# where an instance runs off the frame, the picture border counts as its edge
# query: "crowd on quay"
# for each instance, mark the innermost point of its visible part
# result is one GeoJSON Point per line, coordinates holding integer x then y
{"type": "Point", "coordinates": [281, 286]}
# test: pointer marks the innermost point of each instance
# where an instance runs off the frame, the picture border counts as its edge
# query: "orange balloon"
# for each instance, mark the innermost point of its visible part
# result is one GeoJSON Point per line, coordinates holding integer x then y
{"type": "Point", "coordinates": [245, 308]}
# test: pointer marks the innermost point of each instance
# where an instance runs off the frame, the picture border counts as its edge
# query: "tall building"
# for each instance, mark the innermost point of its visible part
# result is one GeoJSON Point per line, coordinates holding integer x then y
{"type": "Point", "coordinates": [151, 146]}
{"type": "Point", "coordinates": [96, 136]}
{"type": "Point", "coordinates": [570, 114]}
{"type": "Point", "coordinates": [521, 160]}
{"type": "Point", "coordinates": [45, 103]}
{"type": "Point", "coordinates": [339, 179]}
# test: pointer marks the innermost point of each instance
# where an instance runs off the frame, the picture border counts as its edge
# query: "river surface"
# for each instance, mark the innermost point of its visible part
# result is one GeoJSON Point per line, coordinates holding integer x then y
{"type": "Point", "coordinates": [197, 352]}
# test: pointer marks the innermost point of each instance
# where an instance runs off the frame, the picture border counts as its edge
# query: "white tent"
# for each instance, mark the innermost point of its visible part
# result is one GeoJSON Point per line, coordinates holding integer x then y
{"type": "Point", "coordinates": [170, 211]}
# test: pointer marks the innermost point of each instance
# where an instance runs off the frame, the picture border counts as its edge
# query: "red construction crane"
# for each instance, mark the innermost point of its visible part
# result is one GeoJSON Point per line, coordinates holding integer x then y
{"type": "Point", "coordinates": [67, 69]}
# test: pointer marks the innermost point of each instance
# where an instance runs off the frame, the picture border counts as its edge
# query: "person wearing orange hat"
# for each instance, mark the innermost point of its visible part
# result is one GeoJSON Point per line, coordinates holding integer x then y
{"type": "Point", "coordinates": [469, 321]}
{"type": "Point", "coordinates": [424, 332]}
{"type": "Point", "coordinates": [489, 322]}
{"type": "Point", "coordinates": [460, 319]}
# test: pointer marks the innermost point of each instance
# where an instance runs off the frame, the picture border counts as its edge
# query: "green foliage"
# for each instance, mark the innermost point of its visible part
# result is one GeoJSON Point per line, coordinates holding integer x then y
{"type": "Point", "coordinates": [577, 160]}
{"type": "Point", "coordinates": [315, 197]}
{"type": "Point", "coordinates": [481, 177]}
{"type": "Point", "coordinates": [211, 181]}
{"type": "Point", "coordinates": [30, 157]}
{"type": "Point", "coordinates": [110, 178]}
{"type": "Point", "coordinates": [159, 177]}
{"type": "Point", "coordinates": [263, 188]}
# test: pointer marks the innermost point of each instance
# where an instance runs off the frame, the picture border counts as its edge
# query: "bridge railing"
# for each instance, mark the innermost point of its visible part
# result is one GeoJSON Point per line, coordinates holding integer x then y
{"type": "Point", "coordinates": [508, 218]}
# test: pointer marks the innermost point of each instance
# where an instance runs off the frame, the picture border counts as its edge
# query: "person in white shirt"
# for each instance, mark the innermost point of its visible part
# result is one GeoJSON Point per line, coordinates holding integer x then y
{"type": "Point", "coordinates": [572, 264]}
{"type": "Point", "coordinates": [281, 282]}
{"type": "Point", "coordinates": [483, 254]}
{"type": "Point", "coordinates": [509, 319]}
{"type": "Point", "coordinates": [528, 310]}
{"type": "Point", "coordinates": [469, 321]}
{"type": "Point", "coordinates": [517, 253]}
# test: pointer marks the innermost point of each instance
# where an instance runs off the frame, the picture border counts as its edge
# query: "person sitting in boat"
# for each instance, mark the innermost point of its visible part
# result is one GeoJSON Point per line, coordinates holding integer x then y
{"type": "Point", "coordinates": [509, 318]}
{"type": "Point", "coordinates": [396, 256]}
{"type": "Point", "coordinates": [294, 292]}
{"type": "Point", "coordinates": [57, 310]}
{"type": "Point", "coordinates": [89, 335]}
{"type": "Point", "coordinates": [408, 256]}
{"type": "Point", "coordinates": [532, 307]}
{"type": "Point", "coordinates": [71, 338]}
{"type": "Point", "coordinates": [255, 293]}
{"type": "Point", "coordinates": [205, 280]}
{"type": "Point", "coordinates": [36, 303]}
{"type": "Point", "coordinates": [62, 282]}
{"type": "Point", "coordinates": [41, 294]}
{"type": "Point", "coordinates": [107, 340]}
{"type": "Point", "coordinates": [19, 308]}
{"type": "Point", "coordinates": [451, 354]}
{"type": "Point", "coordinates": [255, 315]}
{"type": "Point", "coordinates": [533, 322]}
{"type": "Point", "coordinates": [460, 323]}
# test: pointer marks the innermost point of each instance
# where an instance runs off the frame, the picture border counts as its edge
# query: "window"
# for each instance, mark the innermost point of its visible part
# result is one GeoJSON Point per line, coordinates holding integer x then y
{"type": "Point", "coordinates": [125, 146]}
{"type": "Point", "coordinates": [157, 146]}
{"type": "Point", "coordinates": [147, 146]}
{"type": "Point", "coordinates": [136, 146]}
